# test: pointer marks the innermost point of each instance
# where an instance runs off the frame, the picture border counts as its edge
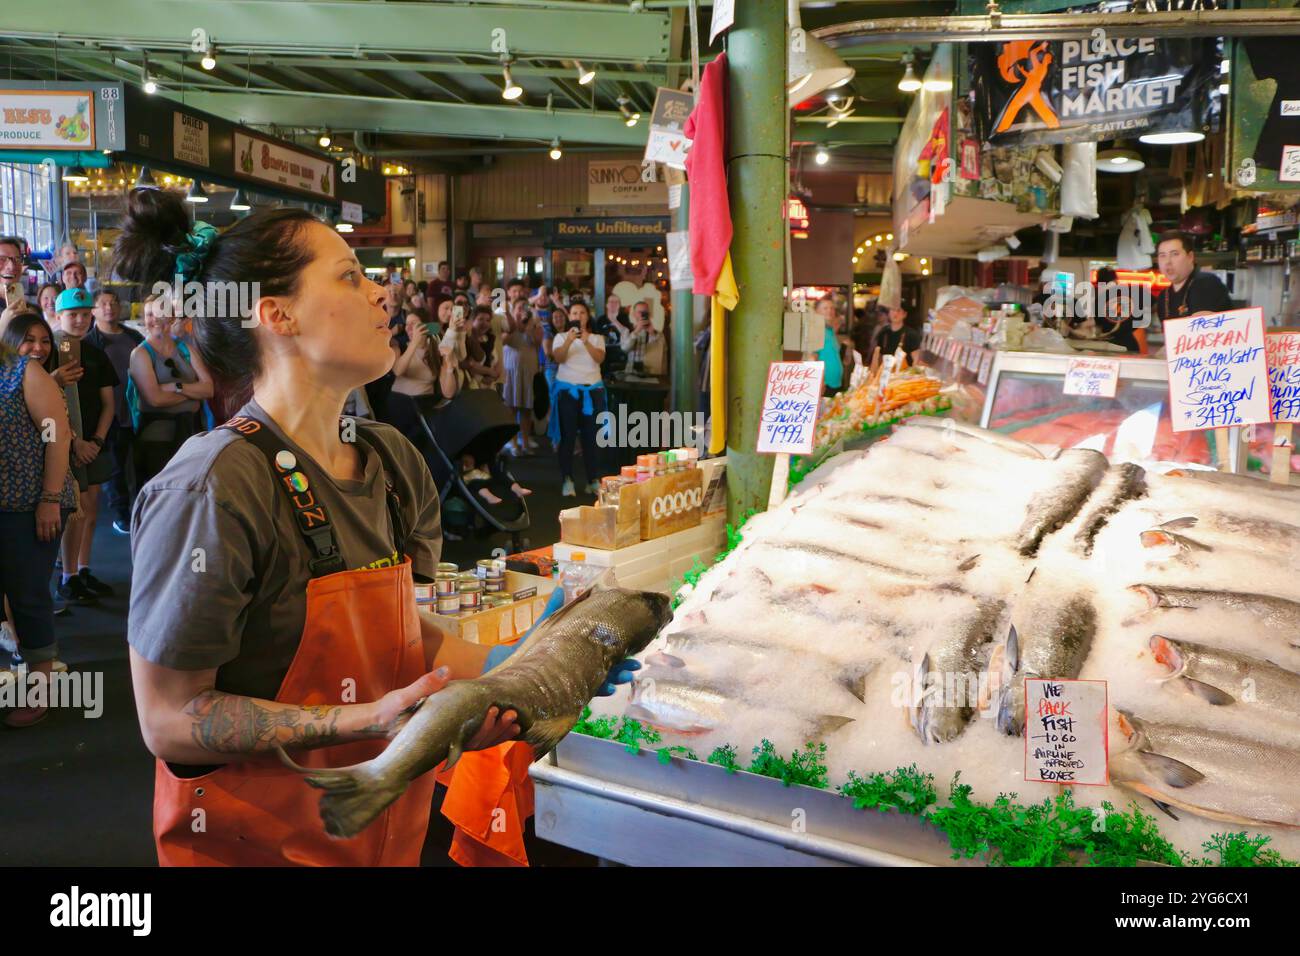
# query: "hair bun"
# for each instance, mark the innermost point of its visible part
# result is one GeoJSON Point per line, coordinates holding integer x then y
{"type": "Point", "coordinates": [157, 224]}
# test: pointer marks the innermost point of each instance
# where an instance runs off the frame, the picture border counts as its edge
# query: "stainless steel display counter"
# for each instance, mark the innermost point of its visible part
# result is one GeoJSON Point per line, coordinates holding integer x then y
{"type": "Point", "coordinates": [594, 796]}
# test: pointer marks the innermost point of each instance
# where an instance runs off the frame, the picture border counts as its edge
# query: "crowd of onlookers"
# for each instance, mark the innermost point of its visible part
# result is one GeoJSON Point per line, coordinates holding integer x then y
{"type": "Point", "coordinates": [91, 409]}
{"type": "Point", "coordinates": [548, 353]}
{"type": "Point", "coordinates": [74, 376]}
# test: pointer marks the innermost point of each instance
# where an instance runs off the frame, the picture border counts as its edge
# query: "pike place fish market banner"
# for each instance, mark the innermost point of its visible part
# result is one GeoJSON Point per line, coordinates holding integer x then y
{"type": "Point", "coordinates": [1093, 88]}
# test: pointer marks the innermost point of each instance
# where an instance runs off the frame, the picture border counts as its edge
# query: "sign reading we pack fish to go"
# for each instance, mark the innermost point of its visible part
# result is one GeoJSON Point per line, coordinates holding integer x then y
{"type": "Point", "coordinates": [1066, 732]}
{"type": "Point", "coordinates": [790, 406]}
{"type": "Point", "coordinates": [1282, 349]}
{"type": "Point", "coordinates": [1217, 372]}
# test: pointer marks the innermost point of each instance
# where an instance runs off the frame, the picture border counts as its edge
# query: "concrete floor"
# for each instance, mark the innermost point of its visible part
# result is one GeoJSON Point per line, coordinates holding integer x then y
{"type": "Point", "coordinates": [78, 792]}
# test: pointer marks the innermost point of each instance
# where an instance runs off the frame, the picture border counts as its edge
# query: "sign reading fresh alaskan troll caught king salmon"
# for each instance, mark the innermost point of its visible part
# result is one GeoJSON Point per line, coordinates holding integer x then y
{"type": "Point", "coordinates": [1217, 371]}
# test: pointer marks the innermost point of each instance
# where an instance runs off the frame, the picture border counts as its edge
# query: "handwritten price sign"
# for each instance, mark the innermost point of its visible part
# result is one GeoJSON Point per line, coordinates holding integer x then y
{"type": "Point", "coordinates": [1282, 351]}
{"type": "Point", "coordinates": [1066, 729]}
{"type": "Point", "coordinates": [1217, 372]}
{"type": "Point", "coordinates": [790, 406]}
{"type": "Point", "coordinates": [1090, 376]}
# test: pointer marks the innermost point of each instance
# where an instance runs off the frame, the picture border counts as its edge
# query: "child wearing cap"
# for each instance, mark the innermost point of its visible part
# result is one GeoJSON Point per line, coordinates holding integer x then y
{"type": "Point", "coordinates": [88, 377]}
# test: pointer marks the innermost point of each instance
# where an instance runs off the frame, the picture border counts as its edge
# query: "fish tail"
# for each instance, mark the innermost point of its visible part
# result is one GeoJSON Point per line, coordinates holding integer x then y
{"type": "Point", "coordinates": [354, 795]}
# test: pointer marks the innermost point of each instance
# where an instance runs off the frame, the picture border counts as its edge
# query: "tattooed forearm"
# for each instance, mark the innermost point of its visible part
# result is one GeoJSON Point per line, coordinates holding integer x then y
{"type": "Point", "coordinates": [227, 723]}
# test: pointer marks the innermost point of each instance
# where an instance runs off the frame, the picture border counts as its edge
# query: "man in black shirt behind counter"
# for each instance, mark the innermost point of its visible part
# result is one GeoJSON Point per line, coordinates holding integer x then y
{"type": "Point", "coordinates": [1192, 292]}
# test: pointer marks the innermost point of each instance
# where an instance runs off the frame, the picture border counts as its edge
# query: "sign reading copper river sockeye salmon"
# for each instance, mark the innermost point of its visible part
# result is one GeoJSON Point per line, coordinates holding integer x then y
{"type": "Point", "coordinates": [1091, 88]}
{"type": "Point", "coordinates": [790, 405]}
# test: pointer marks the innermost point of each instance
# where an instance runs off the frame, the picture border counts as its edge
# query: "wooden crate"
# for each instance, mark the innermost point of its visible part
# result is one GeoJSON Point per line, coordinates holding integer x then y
{"type": "Point", "coordinates": [501, 625]}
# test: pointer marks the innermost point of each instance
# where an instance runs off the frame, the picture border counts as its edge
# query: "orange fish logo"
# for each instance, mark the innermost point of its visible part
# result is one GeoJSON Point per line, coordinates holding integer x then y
{"type": "Point", "coordinates": [1026, 62]}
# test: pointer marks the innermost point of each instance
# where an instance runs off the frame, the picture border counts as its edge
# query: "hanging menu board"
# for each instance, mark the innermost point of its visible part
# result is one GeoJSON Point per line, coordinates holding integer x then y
{"type": "Point", "coordinates": [1282, 350]}
{"type": "Point", "coordinates": [790, 406]}
{"type": "Point", "coordinates": [1217, 372]}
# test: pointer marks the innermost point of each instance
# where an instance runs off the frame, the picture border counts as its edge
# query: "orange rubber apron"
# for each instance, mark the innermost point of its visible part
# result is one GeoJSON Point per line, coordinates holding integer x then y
{"type": "Point", "coordinates": [361, 636]}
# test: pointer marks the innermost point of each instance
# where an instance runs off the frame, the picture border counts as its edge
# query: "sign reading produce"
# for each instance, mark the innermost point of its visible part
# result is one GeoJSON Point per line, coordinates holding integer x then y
{"type": "Point", "coordinates": [270, 162]}
{"type": "Point", "coordinates": [53, 119]}
{"type": "Point", "coordinates": [1066, 731]}
{"type": "Point", "coordinates": [1217, 372]}
{"type": "Point", "coordinates": [788, 419]}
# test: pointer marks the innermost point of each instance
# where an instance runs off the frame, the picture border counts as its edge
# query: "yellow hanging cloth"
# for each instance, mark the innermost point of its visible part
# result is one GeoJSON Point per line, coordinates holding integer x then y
{"type": "Point", "coordinates": [725, 296]}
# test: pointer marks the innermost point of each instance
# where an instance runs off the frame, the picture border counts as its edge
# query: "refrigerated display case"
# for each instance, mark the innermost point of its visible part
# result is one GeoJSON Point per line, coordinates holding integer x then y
{"type": "Point", "coordinates": [1026, 399]}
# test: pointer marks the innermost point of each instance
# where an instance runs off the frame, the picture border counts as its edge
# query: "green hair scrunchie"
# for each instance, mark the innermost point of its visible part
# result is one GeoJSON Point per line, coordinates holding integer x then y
{"type": "Point", "coordinates": [199, 244]}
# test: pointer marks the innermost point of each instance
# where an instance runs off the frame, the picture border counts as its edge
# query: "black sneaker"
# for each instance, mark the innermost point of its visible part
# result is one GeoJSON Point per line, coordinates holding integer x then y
{"type": "Point", "coordinates": [93, 584]}
{"type": "Point", "coordinates": [74, 591]}
{"type": "Point", "coordinates": [122, 527]}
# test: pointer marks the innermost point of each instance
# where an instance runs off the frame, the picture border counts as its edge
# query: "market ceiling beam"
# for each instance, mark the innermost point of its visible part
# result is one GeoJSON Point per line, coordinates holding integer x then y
{"type": "Point", "coordinates": [366, 64]}
{"type": "Point", "coordinates": [1061, 26]}
{"type": "Point", "coordinates": [880, 130]}
{"type": "Point", "coordinates": [599, 32]}
{"type": "Point", "coordinates": [299, 108]}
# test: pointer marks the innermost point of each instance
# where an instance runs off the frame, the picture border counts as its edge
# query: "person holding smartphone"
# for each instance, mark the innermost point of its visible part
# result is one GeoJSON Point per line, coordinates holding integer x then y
{"type": "Point", "coordinates": [37, 493]}
{"type": "Point", "coordinates": [13, 263]}
{"type": "Point", "coordinates": [89, 380]}
{"type": "Point", "coordinates": [579, 396]}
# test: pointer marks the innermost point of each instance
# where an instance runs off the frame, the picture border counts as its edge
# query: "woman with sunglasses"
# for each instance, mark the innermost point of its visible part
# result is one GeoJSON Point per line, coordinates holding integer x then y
{"type": "Point", "coordinates": [170, 381]}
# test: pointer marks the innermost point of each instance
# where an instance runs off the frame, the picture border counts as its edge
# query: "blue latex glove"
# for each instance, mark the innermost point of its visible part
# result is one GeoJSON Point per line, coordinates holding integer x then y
{"type": "Point", "coordinates": [502, 651]}
{"type": "Point", "coordinates": [620, 673]}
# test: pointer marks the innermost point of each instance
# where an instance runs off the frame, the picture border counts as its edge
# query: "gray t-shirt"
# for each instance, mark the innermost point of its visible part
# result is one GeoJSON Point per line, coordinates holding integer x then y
{"type": "Point", "coordinates": [220, 568]}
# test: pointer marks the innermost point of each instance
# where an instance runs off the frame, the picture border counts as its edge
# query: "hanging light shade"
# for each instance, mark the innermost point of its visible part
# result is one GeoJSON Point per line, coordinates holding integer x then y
{"type": "Point", "coordinates": [585, 75]}
{"type": "Point", "coordinates": [196, 193]}
{"type": "Point", "coordinates": [239, 202]}
{"type": "Point", "coordinates": [145, 179]}
{"type": "Point", "coordinates": [815, 67]}
{"type": "Point", "coordinates": [75, 174]}
{"type": "Point", "coordinates": [1119, 160]}
{"type": "Point", "coordinates": [510, 90]}
{"type": "Point", "coordinates": [909, 83]}
{"type": "Point", "coordinates": [1172, 138]}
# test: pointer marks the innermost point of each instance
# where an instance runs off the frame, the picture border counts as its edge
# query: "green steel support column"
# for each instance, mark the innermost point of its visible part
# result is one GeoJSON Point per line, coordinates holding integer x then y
{"type": "Point", "coordinates": [684, 397]}
{"type": "Point", "coordinates": [756, 170]}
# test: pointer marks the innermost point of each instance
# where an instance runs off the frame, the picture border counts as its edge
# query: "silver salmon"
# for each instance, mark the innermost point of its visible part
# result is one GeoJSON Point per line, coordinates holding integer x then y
{"type": "Point", "coordinates": [1224, 678]}
{"type": "Point", "coordinates": [946, 689]}
{"type": "Point", "coordinates": [1052, 642]}
{"type": "Point", "coordinates": [1081, 470]}
{"type": "Point", "coordinates": [1216, 775]}
{"type": "Point", "coordinates": [1121, 484]}
{"type": "Point", "coordinates": [546, 682]}
{"type": "Point", "coordinates": [1264, 610]}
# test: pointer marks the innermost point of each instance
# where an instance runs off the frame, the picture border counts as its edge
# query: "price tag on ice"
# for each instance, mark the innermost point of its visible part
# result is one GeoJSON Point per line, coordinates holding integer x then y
{"type": "Point", "coordinates": [1282, 351]}
{"type": "Point", "coordinates": [1066, 730]}
{"type": "Point", "coordinates": [1217, 372]}
{"type": "Point", "coordinates": [790, 406]}
{"type": "Point", "coordinates": [1092, 376]}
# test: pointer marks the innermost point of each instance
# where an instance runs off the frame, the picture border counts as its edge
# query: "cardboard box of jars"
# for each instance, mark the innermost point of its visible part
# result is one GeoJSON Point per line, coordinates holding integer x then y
{"type": "Point", "coordinates": [497, 625]}
{"type": "Point", "coordinates": [646, 510]}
